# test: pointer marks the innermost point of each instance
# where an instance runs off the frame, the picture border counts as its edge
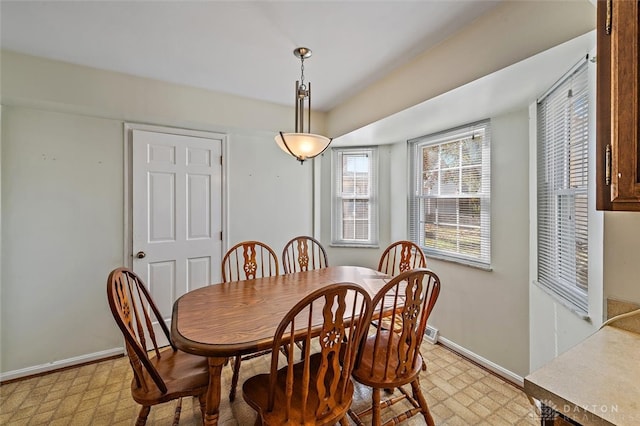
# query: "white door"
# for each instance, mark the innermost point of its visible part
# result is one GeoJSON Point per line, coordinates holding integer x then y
{"type": "Point", "coordinates": [177, 214]}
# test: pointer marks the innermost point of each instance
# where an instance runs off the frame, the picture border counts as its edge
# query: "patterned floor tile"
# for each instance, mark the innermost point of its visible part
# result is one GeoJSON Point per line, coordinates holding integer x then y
{"type": "Point", "coordinates": [458, 392]}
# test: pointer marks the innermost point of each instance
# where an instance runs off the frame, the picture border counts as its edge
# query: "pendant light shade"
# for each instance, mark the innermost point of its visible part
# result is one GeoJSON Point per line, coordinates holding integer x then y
{"type": "Point", "coordinates": [300, 145]}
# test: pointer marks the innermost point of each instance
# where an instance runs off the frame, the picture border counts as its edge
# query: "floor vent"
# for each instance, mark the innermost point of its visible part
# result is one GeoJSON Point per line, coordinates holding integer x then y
{"type": "Point", "coordinates": [431, 334]}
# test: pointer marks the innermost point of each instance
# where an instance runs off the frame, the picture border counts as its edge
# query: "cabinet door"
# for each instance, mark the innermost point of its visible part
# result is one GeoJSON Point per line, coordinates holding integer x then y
{"type": "Point", "coordinates": [618, 103]}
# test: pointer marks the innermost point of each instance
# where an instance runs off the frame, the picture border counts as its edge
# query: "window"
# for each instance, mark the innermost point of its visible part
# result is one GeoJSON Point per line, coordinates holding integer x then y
{"type": "Point", "coordinates": [562, 169]}
{"type": "Point", "coordinates": [354, 219]}
{"type": "Point", "coordinates": [450, 197]}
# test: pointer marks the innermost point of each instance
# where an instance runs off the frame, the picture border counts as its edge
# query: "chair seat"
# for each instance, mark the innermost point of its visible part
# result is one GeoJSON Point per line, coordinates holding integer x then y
{"type": "Point", "coordinates": [384, 375]}
{"type": "Point", "coordinates": [256, 392]}
{"type": "Point", "coordinates": [183, 374]}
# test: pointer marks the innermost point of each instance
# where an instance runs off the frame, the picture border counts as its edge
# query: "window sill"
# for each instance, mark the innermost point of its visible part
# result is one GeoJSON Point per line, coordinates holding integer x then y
{"type": "Point", "coordinates": [471, 264]}
{"type": "Point", "coordinates": [561, 301]}
{"type": "Point", "coordinates": [353, 245]}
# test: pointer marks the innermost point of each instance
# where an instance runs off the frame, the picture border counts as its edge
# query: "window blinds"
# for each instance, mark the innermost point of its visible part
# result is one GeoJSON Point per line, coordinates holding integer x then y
{"type": "Point", "coordinates": [563, 118]}
{"type": "Point", "coordinates": [450, 201]}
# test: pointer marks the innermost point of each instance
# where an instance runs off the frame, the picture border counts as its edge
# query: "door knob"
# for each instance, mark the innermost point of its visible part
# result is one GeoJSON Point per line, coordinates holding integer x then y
{"type": "Point", "coordinates": [140, 254]}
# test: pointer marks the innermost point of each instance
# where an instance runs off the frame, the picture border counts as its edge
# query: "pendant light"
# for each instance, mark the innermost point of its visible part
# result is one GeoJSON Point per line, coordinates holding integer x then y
{"type": "Point", "coordinates": [302, 146]}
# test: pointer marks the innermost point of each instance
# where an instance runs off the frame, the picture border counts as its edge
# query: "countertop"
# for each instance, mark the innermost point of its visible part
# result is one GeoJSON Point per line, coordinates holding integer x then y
{"type": "Point", "coordinates": [597, 382]}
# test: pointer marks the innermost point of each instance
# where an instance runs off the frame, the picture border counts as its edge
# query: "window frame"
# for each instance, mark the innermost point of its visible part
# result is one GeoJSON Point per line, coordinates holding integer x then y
{"type": "Point", "coordinates": [562, 283]}
{"type": "Point", "coordinates": [417, 199]}
{"type": "Point", "coordinates": [337, 197]}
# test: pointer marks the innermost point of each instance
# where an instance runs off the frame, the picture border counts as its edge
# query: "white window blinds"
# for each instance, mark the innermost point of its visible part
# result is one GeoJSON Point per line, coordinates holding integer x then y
{"type": "Point", "coordinates": [450, 201]}
{"type": "Point", "coordinates": [563, 116]}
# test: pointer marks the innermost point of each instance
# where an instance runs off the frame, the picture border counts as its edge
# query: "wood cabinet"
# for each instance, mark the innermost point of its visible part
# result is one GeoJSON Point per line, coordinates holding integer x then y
{"type": "Point", "coordinates": [618, 105]}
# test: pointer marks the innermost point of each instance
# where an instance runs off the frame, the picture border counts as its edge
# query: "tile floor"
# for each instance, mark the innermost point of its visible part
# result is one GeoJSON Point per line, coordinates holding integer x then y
{"type": "Point", "coordinates": [458, 392]}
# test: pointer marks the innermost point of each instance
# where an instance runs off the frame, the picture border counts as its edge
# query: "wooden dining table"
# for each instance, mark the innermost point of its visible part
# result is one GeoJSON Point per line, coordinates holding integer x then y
{"type": "Point", "coordinates": [235, 318]}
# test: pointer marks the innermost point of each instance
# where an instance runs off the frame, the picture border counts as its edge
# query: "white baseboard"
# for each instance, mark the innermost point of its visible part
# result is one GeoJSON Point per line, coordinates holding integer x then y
{"type": "Point", "coordinates": [491, 366]}
{"type": "Point", "coordinates": [43, 368]}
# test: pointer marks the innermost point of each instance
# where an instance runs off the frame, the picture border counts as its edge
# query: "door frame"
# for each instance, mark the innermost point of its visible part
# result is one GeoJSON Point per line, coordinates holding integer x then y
{"type": "Point", "coordinates": [128, 179]}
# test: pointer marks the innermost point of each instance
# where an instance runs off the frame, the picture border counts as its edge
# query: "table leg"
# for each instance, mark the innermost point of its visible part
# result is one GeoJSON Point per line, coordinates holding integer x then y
{"type": "Point", "coordinates": [213, 391]}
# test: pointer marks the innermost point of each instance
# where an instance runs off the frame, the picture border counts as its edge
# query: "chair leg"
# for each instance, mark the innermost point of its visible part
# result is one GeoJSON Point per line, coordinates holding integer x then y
{"type": "Point", "coordinates": [344, 421]}
{"type": "Point", "coordinates": [415, 386]}
{"type": "Point", "coordinates": [234, 378]}
{"type": "Point", "coordinates": [202, 399]}
{"type": "Point", "coordinates": [142, 416]}
{"type": "Point", "coordinates": [176, 415]}
{"type": "Point", "coordinates": [355, 417]}
{"type": "Point", "coordinates": [424, 364]}
{"type": "Point", "coordinates": [375, 405]}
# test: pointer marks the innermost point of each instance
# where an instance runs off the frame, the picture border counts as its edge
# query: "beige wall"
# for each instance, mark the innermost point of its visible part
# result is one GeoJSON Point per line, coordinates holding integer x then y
{"type": "Point", "coordinates": [622, 256]}
{"type": "Point", "coordinates": [62, 178]}
{"type": "Point", "coordinates": [63, 191]}
{"type": "Point", "coordinates": [38, 82]}
{"type": "Point", "coordinates": [484, 312]}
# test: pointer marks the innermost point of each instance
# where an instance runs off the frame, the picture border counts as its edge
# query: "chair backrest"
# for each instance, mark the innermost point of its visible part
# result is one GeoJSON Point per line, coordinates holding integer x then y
{"type": "Point", "coordinates": [248, 260]}
{"type": "Point", "coordinates": [134, 312]}
{"type": "Point", "coordinates": [402, 308]}
{"type": "Point", "coordinates": [331, 321]}
{"type": "Point", "coordinates": [303, 254]}
{"type": "Point", "coordinates": [401, 256]}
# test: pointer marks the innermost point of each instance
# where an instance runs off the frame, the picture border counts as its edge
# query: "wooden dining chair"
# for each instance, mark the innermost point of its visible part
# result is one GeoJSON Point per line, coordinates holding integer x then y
{"type": "Point", "coordinates": [245, 261]}
{"type": "Point", "coordinates": [249, 260]}
{"type": "Point", "coordinates": [300, 254]}
{"type": "Point", "coordinates": [158, 375]}
{"type": "Point", "coordinates": [390, 357]}
{"type": "Point", "coordinates": [303, 253]}
{"type": "Point", "coordinates": [317, 390]}
{"type": "Point", "coordinates": [401, 256]}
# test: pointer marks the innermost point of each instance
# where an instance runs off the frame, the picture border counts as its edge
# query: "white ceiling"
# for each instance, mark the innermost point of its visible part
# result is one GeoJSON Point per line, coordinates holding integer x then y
{"type": "Point", "coordinates": [239, 47]}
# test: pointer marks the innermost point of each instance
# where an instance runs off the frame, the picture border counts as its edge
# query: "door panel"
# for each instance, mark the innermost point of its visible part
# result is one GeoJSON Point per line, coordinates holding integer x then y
{"type": "Point", "coordinates": [162, 209]}
{"type": "Point", "coordinates": [198, 207]}
{"type": "Point", "coordinates": [162, 285]}
{"type": "Point", "coordinates": [177, 213]}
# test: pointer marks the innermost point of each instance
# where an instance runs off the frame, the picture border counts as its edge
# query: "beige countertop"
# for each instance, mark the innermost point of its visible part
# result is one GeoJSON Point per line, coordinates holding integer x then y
{"type": "Point", "coordinates": [597, 382]}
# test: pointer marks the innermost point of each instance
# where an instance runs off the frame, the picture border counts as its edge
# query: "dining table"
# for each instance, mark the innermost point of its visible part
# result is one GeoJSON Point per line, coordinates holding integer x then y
{"type": "Point", "coordinates": [225, 320]}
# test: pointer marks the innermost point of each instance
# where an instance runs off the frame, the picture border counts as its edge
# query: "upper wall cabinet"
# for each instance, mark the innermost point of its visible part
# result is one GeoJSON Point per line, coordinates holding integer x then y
{"type": "Point", "coordinates": [618, 103]}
